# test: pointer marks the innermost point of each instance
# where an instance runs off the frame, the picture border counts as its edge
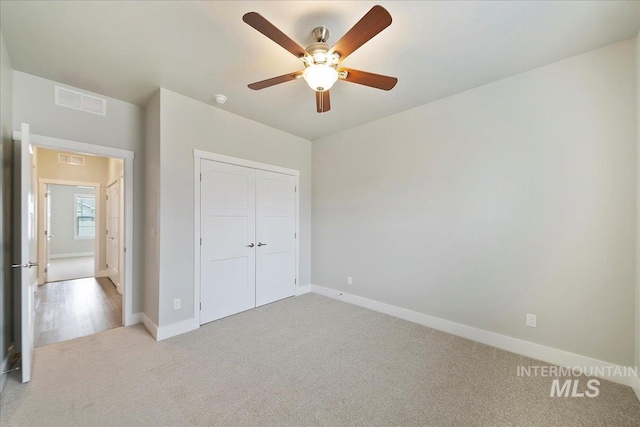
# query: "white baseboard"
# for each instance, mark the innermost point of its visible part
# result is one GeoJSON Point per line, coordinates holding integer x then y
{"type": "Point", "coordinates": [177, 328]}
{"type": "Point", "coordinates": [103, 273]}
{"type": "Point", "coordinates": [135, 319]}
{"type": "Point", "coordinates": [164, 332]}
{"type": "Point", "coordinates": [514, 345]}
{"type": "Point", "coordinates": [150, 325]}
{"type": "Point", "coordinates": [71, 255]}
{"type": "Point", "coordinates": [304, 289]}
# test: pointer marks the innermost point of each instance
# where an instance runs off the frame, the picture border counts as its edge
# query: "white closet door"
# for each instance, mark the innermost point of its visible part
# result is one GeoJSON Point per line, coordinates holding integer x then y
{"type": "Point", "coordinates": [228, 260]}
{"type": "Point", "coordinates": [276, 227]}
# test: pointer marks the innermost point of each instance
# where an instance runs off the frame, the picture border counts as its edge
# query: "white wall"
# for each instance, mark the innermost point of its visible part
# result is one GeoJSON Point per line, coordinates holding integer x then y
{"type": "Point", "coordinates": [122, 127]}
{"type": "Point", "coordinates": [64, 243]}
{"type": "Point", "coordinates": [152, 209]}
{"type": "Point", "coordinates": [114, 169]}
{"type": "Point", "coordinates": [637, 332]}
{"type": "Point", "coordinates": [187, 124]}
{"type": "Point", "coordinates": [6, 153]}
{"type": "Point", "coordinates": [512, 198]}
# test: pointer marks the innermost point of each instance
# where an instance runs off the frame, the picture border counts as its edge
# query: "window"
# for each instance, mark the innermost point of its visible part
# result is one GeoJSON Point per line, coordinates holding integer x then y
{"type": "Point", "coordinates": [85, 216]}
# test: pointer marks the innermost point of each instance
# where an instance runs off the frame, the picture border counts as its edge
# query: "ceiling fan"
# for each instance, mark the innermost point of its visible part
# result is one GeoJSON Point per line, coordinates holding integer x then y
{"type": "Point", "coordinates": [321, 61]}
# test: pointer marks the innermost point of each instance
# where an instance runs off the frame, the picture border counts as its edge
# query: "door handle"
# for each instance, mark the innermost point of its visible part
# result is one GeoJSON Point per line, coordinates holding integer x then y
{"type": "Point", "coordinates": [31, 264]}
{"type": "Point", "coordinates": [261, 244]}
{"type": "Point", "coordinates": [250, 245]}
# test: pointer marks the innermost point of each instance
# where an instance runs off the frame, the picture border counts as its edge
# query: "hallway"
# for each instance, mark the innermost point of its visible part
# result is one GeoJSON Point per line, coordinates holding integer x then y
{"type": "Point", "coordinates": [75, 308]}
{"type": "Point", "coordinates": [70, 268]}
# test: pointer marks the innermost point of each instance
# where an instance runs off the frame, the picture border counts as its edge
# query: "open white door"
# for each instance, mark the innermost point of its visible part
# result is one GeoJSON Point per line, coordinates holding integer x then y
{"type": "Point", "coordinates": [48, 236]}
{"type": "Point", "coordinates": [28, 252]}
{"type": "Point", "coordinates": [113, 234]}
{"type": "Point", "coordinates": [44, 231]}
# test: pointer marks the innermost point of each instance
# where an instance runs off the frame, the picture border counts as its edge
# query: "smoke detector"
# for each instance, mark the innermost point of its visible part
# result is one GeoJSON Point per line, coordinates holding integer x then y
{"type": "Point", "coordinates": [220, 98]}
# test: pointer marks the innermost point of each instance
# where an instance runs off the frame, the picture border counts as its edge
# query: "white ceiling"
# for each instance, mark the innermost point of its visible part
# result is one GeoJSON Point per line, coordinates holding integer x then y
{"type": "Point", "coordinates": [126, 50]}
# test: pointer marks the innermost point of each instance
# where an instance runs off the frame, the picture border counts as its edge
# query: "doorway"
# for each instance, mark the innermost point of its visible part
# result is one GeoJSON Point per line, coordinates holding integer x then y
{"type": "Point", "coordinates": [79, 245]}
{"type": "Point", "coordinates": [67, 226]}
{"type": "Point", "coordinates": [26, 247]}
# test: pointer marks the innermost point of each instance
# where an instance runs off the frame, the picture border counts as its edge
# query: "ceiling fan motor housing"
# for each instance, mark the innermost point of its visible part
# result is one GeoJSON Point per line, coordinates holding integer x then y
{"type": "Point", "coordinates": [319, 49]}
{"type": "Point", "coordinates": [318, 52]}
{"type": "Point", "coordinates": [320, 34]}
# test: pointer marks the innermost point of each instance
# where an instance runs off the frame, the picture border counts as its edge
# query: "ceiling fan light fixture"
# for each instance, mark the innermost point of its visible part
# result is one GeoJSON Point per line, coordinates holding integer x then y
{"type": "Point", "coordinates": [321, 61]}
{"type": "Point", "coordinates": [320, 77]}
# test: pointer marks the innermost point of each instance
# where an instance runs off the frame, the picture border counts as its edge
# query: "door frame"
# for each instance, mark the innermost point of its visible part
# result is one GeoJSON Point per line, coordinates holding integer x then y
{"type": "Point", "coordinates": [115, 153]}
{"type": "Point", "coordinates": [199, 155]}
{"type": "Point", "coordinates": [43, 246]}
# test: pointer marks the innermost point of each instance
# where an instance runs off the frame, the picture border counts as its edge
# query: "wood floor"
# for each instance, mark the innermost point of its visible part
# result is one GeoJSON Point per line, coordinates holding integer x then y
{"type": "Point", "coordinates": [70, 268]}
{"type": "Point", "coordinates": [75, 308]}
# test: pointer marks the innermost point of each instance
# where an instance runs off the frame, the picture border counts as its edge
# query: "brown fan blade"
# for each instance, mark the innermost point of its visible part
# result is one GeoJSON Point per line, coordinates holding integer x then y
{"type": "Point", "coordinates": [323, 104]}
{"type": "Point", "coordinates": [274, 81]}
{"type": "Point", "coordinates": [377, 81]}
{"type": "Point", "coordinates": [376, 20]}
{"type": "Point", "coordinates": [258, 22]}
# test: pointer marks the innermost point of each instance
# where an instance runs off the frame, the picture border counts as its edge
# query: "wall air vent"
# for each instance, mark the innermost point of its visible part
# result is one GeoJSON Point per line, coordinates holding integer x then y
{"type": "Point", "coordinates": [71, 160]}
{"type": "Point", "coordinates": [80, 101]}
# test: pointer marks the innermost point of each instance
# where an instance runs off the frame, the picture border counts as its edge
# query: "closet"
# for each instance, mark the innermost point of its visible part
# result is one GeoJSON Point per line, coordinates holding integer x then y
{"type": "Point", "coordinates": [248, 238]}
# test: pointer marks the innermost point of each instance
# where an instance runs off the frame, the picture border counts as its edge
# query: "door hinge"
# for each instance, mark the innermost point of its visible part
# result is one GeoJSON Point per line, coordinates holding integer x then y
{"type": "Point", "coordinates": [45, 232]}
{"type": "Point", "coordinates": [124, 250]}
{"type": "Point", "coordinates": [201, 241]}
{"type": "Point", "coordinates": [200, 306]}
{"type": "Point", "coordinates": [295, 235]}
{"type": "Point", "coordinates": [46, 270]}
{"type": "Point", "coordinates": [295, 189]}
{"type": "Point", "coordinates": [295, 281]}
{"type": "Point", "coordinates": [200, 177]}
{"type": "Point", "coordinates": [107, 231]}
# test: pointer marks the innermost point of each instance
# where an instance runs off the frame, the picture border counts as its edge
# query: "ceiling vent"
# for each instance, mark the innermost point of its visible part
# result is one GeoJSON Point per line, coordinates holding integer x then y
{"type": "Point", "coordinates": [71, 160]}
{"type": "Point", "coordinates": [80, 101]}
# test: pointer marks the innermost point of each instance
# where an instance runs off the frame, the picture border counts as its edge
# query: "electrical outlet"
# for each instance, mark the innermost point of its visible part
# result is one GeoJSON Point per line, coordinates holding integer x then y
{"type": "Point", "coordinates": [349, 280]}
{"type": "Point", "coordinates": [531, 320]}
{"type": "Point", "coordinates": [176, 303]}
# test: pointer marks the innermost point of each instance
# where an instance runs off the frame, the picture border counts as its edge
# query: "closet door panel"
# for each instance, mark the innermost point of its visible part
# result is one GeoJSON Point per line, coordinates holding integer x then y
{"type": "Point", "coordinates": [228, 218]}
{"type": "Point", "coordinates": [275, 232]}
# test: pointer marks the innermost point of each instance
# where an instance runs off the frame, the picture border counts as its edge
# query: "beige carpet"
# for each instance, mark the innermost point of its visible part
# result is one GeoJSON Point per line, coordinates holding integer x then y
{"type": "Point", "coordinates": [307, 360]}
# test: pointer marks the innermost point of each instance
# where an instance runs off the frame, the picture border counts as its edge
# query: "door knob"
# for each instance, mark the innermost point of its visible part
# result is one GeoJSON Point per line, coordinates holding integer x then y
{"type": "Point", "coordinates": [262, 244]}
{"type": "Point", "coordinates": [250, 245]}
{"type": "Point", "coordinates": [31, 264]}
